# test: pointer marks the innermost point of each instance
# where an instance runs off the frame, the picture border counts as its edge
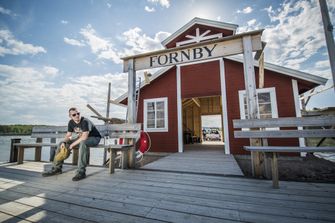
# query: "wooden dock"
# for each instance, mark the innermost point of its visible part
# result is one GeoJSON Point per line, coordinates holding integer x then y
{"type": "Point", "coordinates": [198, 158]}
{"type": "Point", "coordinates": [152, 196]}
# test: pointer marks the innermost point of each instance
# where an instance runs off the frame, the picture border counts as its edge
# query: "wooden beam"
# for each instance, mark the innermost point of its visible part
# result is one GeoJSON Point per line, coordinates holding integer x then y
{"type": "Point", "coordinates": [108, 100]}
{"type": "Point", "coordinates": [328, 28]}
{"type": "Point", "coordinates": [93, 110]}
{"type": "Point", "coordinates": [147, 76]}
{"type": "Point", "coordinates": [261, 71]}
{"type": "Point", "coordinates": [225, 46]}
{"type": "Point", "coordinates": [196, 101]}
{"type": "Point", "coordinates": [260, 52]}
{"type": "Point", "coordinates": [285, 122]}
{"type": "Point", "coordinates": [117, 103]}
{"type": "Point", "coordinates": [251, 96]}
{"type": "Point", "coordinates": [131, 117]}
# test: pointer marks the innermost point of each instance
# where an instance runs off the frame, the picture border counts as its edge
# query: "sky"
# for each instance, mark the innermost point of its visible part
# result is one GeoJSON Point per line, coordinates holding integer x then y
{"type": "Point", "coordinates": [59, 54]}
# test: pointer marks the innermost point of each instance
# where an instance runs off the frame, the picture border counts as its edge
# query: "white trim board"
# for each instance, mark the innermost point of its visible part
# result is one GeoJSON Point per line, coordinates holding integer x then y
{"type": "Point", "coordinates": [286, 71]}
{"type": "Point", "coordinates": [200, 21]}
{"type": "Point", "coordinates": [223, 98]}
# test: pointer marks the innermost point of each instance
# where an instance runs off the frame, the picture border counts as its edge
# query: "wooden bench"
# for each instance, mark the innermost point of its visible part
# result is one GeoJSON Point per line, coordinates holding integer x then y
{"type": "Point", "coordinates": [256, 129]}
{"type": "Point", "coordinates": [129, 132]}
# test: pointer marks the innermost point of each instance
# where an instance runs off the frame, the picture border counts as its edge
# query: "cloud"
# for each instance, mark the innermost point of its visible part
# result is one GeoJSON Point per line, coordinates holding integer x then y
{"type": "Point", "coordinates": [140, 42]}
{"type": "Point", "coordinates": [87, 62]}
{"type": "Point", "coordinates": [73, 42]}
{"type": "Point", "coordinates": [52, 71]}
{"type": "Point", "coordinates": [109, 5]}
{"type": "Point", "coordinates": [6, 11]}
{"type": "Point", "coordinates": [251, 22]}
{"type": "Point", "coordinates": [294, 35]}
{"type": "Point", "coordinates": [64, 22]}
{"type": "Point", "coordinates": [148, 9]}
{"type": "Point", "coordinates": [163, 3]}
{"type": "Point", "coordinates": [101, 47]}
{"type": "Point", "coordinates": [31, 98]}
{"type": "Point", "coordinates": [246, 10]}
{"type": "Point", "coordinates": [9, 45]}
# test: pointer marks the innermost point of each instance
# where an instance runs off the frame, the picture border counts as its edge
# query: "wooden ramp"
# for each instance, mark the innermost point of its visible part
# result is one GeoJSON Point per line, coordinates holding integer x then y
{"type": "Point", "coordinates": [198, 158]}
{"type": "Point", "coordinates": [149, 196]}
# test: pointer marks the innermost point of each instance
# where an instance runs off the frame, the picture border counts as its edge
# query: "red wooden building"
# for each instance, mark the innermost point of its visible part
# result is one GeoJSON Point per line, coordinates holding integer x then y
{"type": "Point", "coordinates": [213, 87]}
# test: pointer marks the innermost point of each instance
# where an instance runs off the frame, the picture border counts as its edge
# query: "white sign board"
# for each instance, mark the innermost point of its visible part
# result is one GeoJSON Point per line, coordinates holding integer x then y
{"type": "Point", "coordinates": [201, 51]}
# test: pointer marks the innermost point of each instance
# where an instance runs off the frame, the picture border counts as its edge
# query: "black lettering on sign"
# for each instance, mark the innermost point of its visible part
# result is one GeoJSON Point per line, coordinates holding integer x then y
{"type": "Point", "coordinates": [173, 56]}
{"type": "Point", "coordinates": [197, 53]}
{"type": "Point", "coordinates": [185, 54]}
{"type": "Point", "coordinates": [162, 59]}
{"type": "Point", "coordinates": [209, 51]}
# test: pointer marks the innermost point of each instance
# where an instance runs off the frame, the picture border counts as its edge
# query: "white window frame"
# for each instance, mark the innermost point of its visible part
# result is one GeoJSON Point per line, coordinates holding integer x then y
{"type": "Point", "coordinates": [145, 113]}
{"type": "Point", "coordinates": [273, 98]}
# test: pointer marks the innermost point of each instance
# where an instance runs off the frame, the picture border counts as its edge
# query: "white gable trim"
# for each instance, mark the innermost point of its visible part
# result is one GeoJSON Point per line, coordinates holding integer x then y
{"type": "Point", "coordinates": [287, 71]}
{"type": "Point", "coordinates": [200, 21]}
{"type": "Point", "coordinates": [143, 83]}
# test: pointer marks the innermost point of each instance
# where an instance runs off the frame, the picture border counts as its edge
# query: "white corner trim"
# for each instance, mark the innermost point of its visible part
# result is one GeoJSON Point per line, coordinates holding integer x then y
{"type": "Point", "coordinates": [298, 111]}
{"type": "Point", "coordinates": [179, 112]}
{"type": "Point", "coordinates": [224, 106]}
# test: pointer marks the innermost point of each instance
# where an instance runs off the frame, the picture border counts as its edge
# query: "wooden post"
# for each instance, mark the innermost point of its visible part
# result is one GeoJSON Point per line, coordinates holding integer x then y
{"type": "Point", "coordinates": [275, 176]}
{"type": "Point", "coordinates": [251, 96]}
{"type": "Point", "coordinates": [38, 150]}
{"type": "Point", "coordinates": [13, 150]}
{"type": "Point", "coordinates": [108, 100]}
{"type": "Point", "coordinates": [261, 71]}
{"type": "Point", "coordinates": [112, 160]}
{"type": "Point", "coordinates": [131, 105]}
{"type": "Point", "coordinates": [328, 27]}
{"type": "Point", "coordinates": [20, 155]}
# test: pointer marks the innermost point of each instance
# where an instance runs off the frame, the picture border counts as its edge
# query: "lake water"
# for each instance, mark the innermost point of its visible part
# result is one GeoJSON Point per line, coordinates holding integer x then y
{"type": "Point", "coordinates": [96, 155]}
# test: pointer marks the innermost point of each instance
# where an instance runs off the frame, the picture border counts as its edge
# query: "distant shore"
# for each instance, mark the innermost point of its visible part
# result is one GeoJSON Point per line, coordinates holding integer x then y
{"type": "Point", "coordinates": [14, 134]}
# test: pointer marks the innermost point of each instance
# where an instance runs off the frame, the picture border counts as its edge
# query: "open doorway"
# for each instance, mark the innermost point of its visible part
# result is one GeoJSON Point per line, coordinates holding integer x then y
{"type": "Point", "coordinates": [202, 122]}
{"type": "Point", "coordinates": [211, 127]}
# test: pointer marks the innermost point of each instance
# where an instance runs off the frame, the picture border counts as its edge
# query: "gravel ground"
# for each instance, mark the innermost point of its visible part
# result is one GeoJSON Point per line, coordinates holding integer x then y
{"type": "Point", "coordinates": [307, 169]}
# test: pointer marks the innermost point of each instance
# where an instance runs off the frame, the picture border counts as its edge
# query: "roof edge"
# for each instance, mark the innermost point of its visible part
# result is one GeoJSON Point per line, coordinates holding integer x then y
{"type": "Point", "coordinates": [154, 76]}
{"type": "Point", "coordinates": [288, 71]}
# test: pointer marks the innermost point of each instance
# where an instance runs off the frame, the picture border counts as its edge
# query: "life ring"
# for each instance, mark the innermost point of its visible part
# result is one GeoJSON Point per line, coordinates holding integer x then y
{"type": "Point", "coordinates": [144, 146]}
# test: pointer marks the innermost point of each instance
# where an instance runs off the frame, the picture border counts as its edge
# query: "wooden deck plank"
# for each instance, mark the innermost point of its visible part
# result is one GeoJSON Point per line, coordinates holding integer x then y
{"type": "Point", "coordinates": [198, 161]}
{"type": "Point", "coordinates": [274, 210]}
{"type": "Point", "coordinates": [183, 197]}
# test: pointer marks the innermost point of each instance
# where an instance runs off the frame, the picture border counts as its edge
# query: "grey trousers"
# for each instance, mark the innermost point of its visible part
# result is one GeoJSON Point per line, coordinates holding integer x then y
{"type": "Point", "coordinates": [84, 154]}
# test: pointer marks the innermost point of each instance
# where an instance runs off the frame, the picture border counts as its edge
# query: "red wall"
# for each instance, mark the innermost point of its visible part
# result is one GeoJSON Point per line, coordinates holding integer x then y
{"type": "Point", "coordinates": [235, 82]}
{"type": "Point", "coordinates": [200, 80]}
{"type": "Point", "coordinates": [204, 80]}
{"type": "Point", "coordinates": [164, 86]}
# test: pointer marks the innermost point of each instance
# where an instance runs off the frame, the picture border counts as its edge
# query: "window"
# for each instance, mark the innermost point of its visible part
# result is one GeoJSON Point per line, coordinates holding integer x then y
{"type": "Point", "coordinates": [156, 115]}
{"type": "Point", "coordinates": [266, 101]}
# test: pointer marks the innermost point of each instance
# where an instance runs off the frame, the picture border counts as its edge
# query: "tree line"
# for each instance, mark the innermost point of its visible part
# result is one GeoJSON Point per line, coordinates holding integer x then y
{"type": "Point", "coordinates": [15, 129]}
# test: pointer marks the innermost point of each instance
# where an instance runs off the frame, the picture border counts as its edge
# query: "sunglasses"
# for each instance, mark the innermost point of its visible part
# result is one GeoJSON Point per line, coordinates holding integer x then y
{"type": "Point", "coordinates": [75, 114]}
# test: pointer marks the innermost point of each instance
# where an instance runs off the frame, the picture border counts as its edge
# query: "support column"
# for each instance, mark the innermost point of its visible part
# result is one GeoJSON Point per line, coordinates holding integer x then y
{"type": "Point", "coordinates": [179, 112]}
{"type": "Point", "coordinates": [131, 106]}
{"type": "Point", "coordinates": [251, 96]}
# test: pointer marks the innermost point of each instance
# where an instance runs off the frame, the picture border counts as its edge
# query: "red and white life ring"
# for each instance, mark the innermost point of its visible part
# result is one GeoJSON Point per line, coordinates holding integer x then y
{"type": "Point", "coordinates": [143, 146]}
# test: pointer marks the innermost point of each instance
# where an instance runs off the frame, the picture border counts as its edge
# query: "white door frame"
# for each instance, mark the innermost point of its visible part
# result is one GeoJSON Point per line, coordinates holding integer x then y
{"type": "Point", "coordinates": [224, 104]}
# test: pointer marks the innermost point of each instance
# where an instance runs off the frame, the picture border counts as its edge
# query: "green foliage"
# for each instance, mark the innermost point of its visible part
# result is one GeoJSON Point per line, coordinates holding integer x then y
{"type": "Point", "coordinates": [15, 129]}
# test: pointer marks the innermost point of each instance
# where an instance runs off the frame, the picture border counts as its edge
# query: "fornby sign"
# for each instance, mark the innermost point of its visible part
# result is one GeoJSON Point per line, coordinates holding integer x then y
{"type": "Point", "coordinates": [225, 46]}
{"type": "Point", "coordinates": [182, 56]}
